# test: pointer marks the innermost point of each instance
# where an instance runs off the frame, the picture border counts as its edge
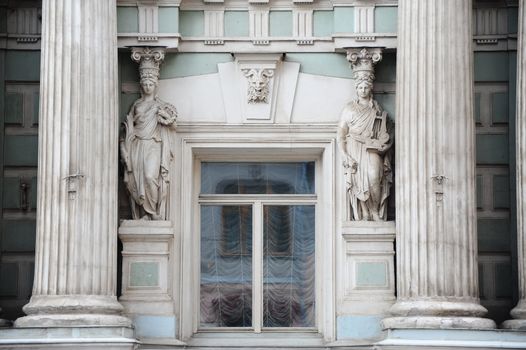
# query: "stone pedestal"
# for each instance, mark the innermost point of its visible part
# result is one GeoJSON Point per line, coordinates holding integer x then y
{"type": "Point", "coordinates": [368, 287]}
{"type": "Point", "coordinates": [146, 273]}
{"type": "Point", "coordinates": [76, 244]}
{"type": "Point", "coordinates": [435, 168]}
{"type": "Point", "coordinates": [519, 312]}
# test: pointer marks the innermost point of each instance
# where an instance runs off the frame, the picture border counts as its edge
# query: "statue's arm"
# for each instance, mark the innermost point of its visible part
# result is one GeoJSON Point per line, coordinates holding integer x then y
{"type": "Point", "coordinates": [343, 130]}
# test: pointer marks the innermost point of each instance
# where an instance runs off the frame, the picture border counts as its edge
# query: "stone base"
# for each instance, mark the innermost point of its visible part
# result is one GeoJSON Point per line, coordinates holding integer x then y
{"type": "Point", "coordinates": [519, 315]}
{"type": "Point", "coordinates": [85, 338]}
{"type": "Point", "coordinates": [73, 311]}
{"type": "Point", "coordinates": [514, 324]}
{"type": "Point", "coordinates": [434, 322]}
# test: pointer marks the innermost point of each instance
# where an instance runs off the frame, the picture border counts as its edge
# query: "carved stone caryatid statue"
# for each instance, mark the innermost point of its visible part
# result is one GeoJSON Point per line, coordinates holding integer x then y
{"type": "Point", "coordinates": [365, 139]}
{"type": "Point", "coordinates": [145, 150]}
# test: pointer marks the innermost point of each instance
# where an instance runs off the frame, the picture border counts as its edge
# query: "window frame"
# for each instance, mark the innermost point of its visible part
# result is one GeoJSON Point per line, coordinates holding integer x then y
{"type": "Point", "coordinates": [195, 151]}
{"type": "Point", "coordinates": [257, 202]}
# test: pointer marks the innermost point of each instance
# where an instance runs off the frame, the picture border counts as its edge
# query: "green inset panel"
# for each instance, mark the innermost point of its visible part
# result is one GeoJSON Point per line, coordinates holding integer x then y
{"type": "Point", "coordinates": [501, 192]}
{"type": "Point", "coordinates": [168, 20]}
{"type": "Point", "coordinates": [344, 19]}
{"type": "Point", "coordinates": [503, 281]}
{"type": "Point", "coordinates": [479, 192]}
{"type": "Point", "coordinates": [36, 108]}
{"type": "Point", "coordinates": [327, 64]}
{"type": "Point", "coordinates": [499, 105]}
{"type": "Point", "coordinates": [385, 19]}
{"type": "Point", "coordinates": [8, 280]}
{"type": "Point", "coordinates": [280, 23]}
{"type": "Point", "coordinates": [192, 23]}
{"type": "Point", "coordinates": [386, 69]}
{"type": "Point", "coordinates": [322, 23]}
{"type": "Point", "coordinates": [11, 193]}
{"type": "Point", "coordinates": [144, 274]}
{"type": "Point", "coordinates": [190, 64]}
{"type": "Point", "coordinates": [22, 65]}
{"type": "Point", "coordinates": [21, 150]}
{"type": "Point", "coordinates": [371, 274]}
{"type": "Point", "coordinates": [236, 23]}
{"type": "Point", "coordinates": [127, 19]}
{"type": "Point", "coordinates": [33, 193]}
{"type": "Point", "coordinates": [492, 149]}
{"type": "Point", "coordinates": [18, 235]}
{"type": "Point", "coordinates": [14, 108]}
{"type": "Point", "coordinates": [476, 108]}
{"type": "Point", "coordinates": [493, 235]}
{"type": "Point", "coordinates": [491, 66]}
{"type": "Point", "coordinates": [481, 281]}
{"type": "Point", "coordinates": [388, 103]}
{"type": "Point", "coordinates": [513, 20]}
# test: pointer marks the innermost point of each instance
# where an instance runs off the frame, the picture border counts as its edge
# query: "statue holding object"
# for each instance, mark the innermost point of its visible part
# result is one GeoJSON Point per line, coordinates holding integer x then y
{"type": "Point", "coordinates": [145, 150]}
{"type": "Point", "coordinates": [365, 139]}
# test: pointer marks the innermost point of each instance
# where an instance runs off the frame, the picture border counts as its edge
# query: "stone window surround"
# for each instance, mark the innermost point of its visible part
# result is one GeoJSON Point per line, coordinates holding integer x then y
{"type": "Point", "coordinates": [194, 151]}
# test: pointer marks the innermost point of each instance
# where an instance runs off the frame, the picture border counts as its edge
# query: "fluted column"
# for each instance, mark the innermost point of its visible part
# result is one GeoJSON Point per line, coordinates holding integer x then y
{"type": "Point", "coordinates": [435, 167]}
{"type": "Point", "coordinates": [75, 262]}
{"type": "Point", "coordinates": [519, 312]}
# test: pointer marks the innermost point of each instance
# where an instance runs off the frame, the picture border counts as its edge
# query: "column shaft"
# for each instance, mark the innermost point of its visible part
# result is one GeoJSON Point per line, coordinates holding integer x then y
{"type": "Point", "coordinates": [519, 312]}
{"type": "Point", "coordinates": [75, 263]}
{"type": "Point", "coordinates": [435, 169]}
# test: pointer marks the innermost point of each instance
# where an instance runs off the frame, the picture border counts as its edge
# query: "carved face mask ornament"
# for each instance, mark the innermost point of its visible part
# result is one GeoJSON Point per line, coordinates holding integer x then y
{"type": "Point", "coordinates": [258, 80]}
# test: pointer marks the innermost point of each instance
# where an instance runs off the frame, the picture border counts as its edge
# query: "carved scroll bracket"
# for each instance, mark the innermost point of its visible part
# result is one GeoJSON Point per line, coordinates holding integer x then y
{"type": "Point", "coordinates": [259, 82]}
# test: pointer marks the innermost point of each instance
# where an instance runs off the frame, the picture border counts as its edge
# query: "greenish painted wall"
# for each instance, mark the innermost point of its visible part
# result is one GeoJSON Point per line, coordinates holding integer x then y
{"type": "Point", "coordinates": [280, 23]}
{"type": "Point", "coordinates": [344, 19]}
{"type": "Point", "coordinates": [479, 191]}
{"type": "Point", "coordinates": [168, 20]}
{"type": "Point", "coordinates": [21, 150]}
{"type": "Point", "coordinates": [127, 19]}
{"type": "Point", "coordinates": [513, 20]}
{"type": "Point", "coordinates": [18, 236]}
{"type": "Point", "coordinates": [14, 108]}
{"type": "Point", "coordinates": [190, 64]}
{"type": "Point", "coordinates": [494, 235]}
{"type": "Point", "coordinates": [3, 20]}
{"type": "Point", "coordinates": [499, 113]}
{"type": "Point", "coordinates": [385, 19]}
{"type": "Point", "coordinates": [236, 23]}
{"type": "Point", "coordinates": [492, 149]}
{"type": "Point", "coordinates": [501, 192]}
{"type": "Point", "coordinates": [9, 275]}
{"type": "Point", "coordinates": [491, 66]}
{"type": "Point", "coordinates": [322, 23]}
{"type": "Point", "coordinates": [191, 23]}
{"type": "Point", "coordinates": [22, 66]}
{"type": "Point", "coordinates": [327, 64]}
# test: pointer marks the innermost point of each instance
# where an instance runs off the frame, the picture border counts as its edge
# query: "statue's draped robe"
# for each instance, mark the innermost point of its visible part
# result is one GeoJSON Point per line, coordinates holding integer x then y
{"type": "Point", "coordinates": [148, 156]}
{"type": "Point", "coordinates": [360, 121]}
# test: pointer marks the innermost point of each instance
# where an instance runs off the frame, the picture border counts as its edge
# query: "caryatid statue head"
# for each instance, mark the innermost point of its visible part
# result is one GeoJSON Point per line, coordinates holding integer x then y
{"type": "Point", "coordinates": [362, 63]}
{"type": "Point", "coordinates": [149, 60]}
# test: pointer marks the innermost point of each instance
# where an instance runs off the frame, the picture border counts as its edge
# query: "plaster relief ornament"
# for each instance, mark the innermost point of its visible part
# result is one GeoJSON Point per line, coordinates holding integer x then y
{"type": "Point", "coordinates": [365, 139]}
{"type": "Point", "coordinates": [258, 84]}
{"type": "Point", "coordinates": [145, 150]}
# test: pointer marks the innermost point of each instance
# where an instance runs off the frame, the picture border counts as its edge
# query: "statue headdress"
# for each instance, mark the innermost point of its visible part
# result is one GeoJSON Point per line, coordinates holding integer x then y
{"type": "Point", "coordinates": [149, 60]}
{"type": "Point", "coordinates": [362, 63]}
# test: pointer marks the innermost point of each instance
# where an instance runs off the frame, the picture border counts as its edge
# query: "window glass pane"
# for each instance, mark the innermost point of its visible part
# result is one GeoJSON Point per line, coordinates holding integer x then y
{"type": "Point", "coordinates": [288, 266]}
{"type": "Point", "coordinates": [226, 266]}
{"type": "Point", "coordinates": [257, 178]}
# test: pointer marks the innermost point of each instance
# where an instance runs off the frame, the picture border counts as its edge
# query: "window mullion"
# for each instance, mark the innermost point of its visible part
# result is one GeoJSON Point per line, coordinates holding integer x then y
{"type": "Point", "coordinates": [257, 268]}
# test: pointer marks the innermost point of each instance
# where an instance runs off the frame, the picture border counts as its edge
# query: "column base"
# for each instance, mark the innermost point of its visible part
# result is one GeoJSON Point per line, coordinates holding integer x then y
{"type": "Point", "coordinates": [437, 322]}
{"type": "Point", "coordinates": [519, 315]}
{"type": "Point", "coordinates": [438, 314]}
{"type": "Point", "coordinates": [73, 311]}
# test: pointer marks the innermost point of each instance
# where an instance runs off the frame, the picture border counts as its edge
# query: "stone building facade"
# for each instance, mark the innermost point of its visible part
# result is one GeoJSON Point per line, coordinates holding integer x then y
{"type": "Point", "coordinates": [223, 174]}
